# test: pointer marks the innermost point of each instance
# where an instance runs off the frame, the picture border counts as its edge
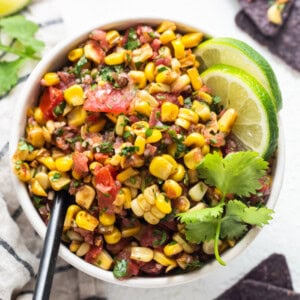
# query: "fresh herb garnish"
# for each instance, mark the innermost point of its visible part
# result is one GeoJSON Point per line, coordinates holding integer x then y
{"type": "Point", "coordinates": [161, 235]}
{"type": "Point", "coordinates": [59, 109]}
{"type": "Point", "coordinates": [128, 150]}
{"type": "Point", "coordinates": [238, 174]}
{"type": "Point", "coordinates": [23, 31]}
{"type": "Point", "coordinates": [148, 132]}
{"type": "Point", "coordinates": [178, 139]}
{"type": "Point", "coordinates": [161, 69]}
{"type": "Point", "coordinates": [188, 102]}
{"type": "Point", "coordinates": [126, 134]}
{"type": "Point", "coordinates": [24, 146]}
{"type": "Point", "coordinates": [105, 147]}
{"type": "Point", "coordinates": [120, 268]}
{"type": "Point", "coordinates": [132, 41]}
{"type": "Point", "coordinates": [56, 176]}
{"type": "Point", "coordinates": [79, 65]}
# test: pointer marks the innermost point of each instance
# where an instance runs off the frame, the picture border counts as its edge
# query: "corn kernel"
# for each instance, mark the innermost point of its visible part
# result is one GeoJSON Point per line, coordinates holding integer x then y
{"type": "Point", "coordinates": [202, 110]}
{"type": "Point", "coordinates": [140, 142]}
{"type": "Point", "coordinates": [178, 47]}
{"type": "Point", "coordinates": [193, 158]}
{"type": "Point", "coordinates": [142, 54]}
{"type": "Point", "coordinates": [37, 189]}
{"type": "Point", "coordinates": [169, 112]}
{"type": "Point", "coordinates": [107, 219]}
{"type": "Point", "coordinates": [47, 161]}
{"type": "Point", "coordinates": [141, 254]}
{"type": "Point", "coordinates": [205, 149]}
{"type": "Point", "coordinates": [198, 191]}
{"type": "Point", "coordinates": [143, 108]}
{"type": "Point", "coordinates": [85, 196]}
{"type": "Point", "coordinates": [185, 245]}
{"type": "Point", "coordinates": [58, 180]}
{"type": "Point", "coordinates": [143, 203]}
{"type": "Point", "coordinates": [50, 79]}
{"type": "Point", "coordinates": [43, 180]}
{"type": "Point", "coordinates": [72, 211]}
{"type": "Point", "coordinates": [135, 207]}
{"type": "Point", "coordinates": [172, 248]}
{"type": "Point", "coordinates": [64, 163]}
{"type": "Point", "coordinates": [104, 260]}
{"type": "Point", "coordinates": [172, 189]}
{"type": "Point", "coordinates": [112, 37]}
{"type": "Point", "coordinates": [166, 25]}
{"type": "Point", "coordinates": [86, 221]}
{"type": "Point", "coordinates": [113, 237]}
{"type": "Point", "coordinates": [115, 58]}
{"type": "Point", "coordinates": [155, 87]}
{"type": "Point", "coordinates": [128, 232]}
{"type": "Point", "coordinates": [171, 160]}
{"type": "Point", "coordinates": [227, 120]}
{"type": "Point", "coordinates": [166, 76]}
{"type": "Point", "coordinates": [39, 116]}
{"type": "Point", "coordinates": [74, 95]}
{"type": "Point", "coordinates": [189, 115]}
{"type": "Point", "coordinates": [205, 96]}
{"type": "Point", "coordinates": [157, 213]}
{"type": "Point", "coordinates": [125, 192]}
{"type": "Point", "coordinates": [35, 136]}
{"type": "Point", "coordinates": [77, 116]}
{"type": "Point", "coordinates": [97, 127]}
{"type": "Point", "coordinates": [112, 117]}
{"type": "Point", "coordinates": [167, 36]}
{"type": "Point", "coordinates": [150, 218]}
{"type": "Point", "coordinates": [154, 137]}
{"type": "Point", "coordinates": [179, 173]}
{"type": "Point", "coordinates": [183, 123]}
{"type": "Point", "coordinates": [162, 259]}
{"type": "Point", "coordinates": [75, 54]}
{"type": "Point", "coordinates": [74, 246]}
{"type": "Point", "coordinates": [83, 249]}
{"type": "Point", "coordinates": [160, 167]}
{"type": "Point", "coordinates": [182, 204]}
{"type": "Point", "coordinates": [124, 175]}
{"type": "Point", "coordinates": [163, 204]}
{"type": "Point", "coordinates": [194, 139]}
{"type": "Point", "coordinates": [138, 78]}
{"type": "Point", "coordinates": [22, 170]}
{"type": "Point", "coordinates": [195, 78]}
{"type": "Point", "coordinates": [149, 71]}
{"type": "Point", "coordinates": [192, 39]}
{"type": "Point", "coordinates": [150, 193]}
{"type": "Point", "coordinates": [92, 51]}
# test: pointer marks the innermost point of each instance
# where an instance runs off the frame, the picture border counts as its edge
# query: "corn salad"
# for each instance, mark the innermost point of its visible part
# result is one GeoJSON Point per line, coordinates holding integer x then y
{"type": "Point", "coordinates": [123, 126]}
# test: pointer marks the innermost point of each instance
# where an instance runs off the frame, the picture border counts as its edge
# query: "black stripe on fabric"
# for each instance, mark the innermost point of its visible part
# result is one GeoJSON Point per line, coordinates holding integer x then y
{"type": "Point", "coordinates": [12, 252]}
{"type": "Point", "coordinates": [16, 214]}
{"type": "Point", "coordinates": [4, 150]}
{"type": "Point", "coordinates": [62, 269]}
{"type": "Point", "coordinates": [51, 22]}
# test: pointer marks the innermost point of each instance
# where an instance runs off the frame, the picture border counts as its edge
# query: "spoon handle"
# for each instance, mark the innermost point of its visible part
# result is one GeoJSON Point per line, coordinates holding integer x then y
{"type": "Point", "coordinates": [51, 246]}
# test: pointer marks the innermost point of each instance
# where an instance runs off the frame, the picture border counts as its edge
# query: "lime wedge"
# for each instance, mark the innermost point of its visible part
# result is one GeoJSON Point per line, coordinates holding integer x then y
{"type": "Point", "coordinates": [8, 7]}
{"type": "Point", "coordinates": [238, 54]}
{"type": "Point", "coordinates": [256, 126]}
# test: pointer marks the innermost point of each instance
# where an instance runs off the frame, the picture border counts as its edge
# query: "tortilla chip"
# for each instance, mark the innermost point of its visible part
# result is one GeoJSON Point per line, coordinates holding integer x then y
{"type": "Point", "coordinates": [256, 10]}
{"type": "Point", "coordinates": [285, 44]}
{"type": "Point", "coordinates": [273, 270]}
{"type": "Point", "coordinates": [253, 290]}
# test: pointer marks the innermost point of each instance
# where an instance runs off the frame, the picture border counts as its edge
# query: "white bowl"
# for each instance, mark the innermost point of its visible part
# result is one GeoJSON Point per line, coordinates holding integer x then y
{"type": "Point", "coordinates": [53, 61]}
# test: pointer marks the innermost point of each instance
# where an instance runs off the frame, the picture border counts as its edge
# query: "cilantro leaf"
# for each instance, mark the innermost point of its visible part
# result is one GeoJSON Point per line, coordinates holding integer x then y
{"type": "Point", "coordinates": [23, 30]}
{"type": "Point", "coordinates": [201, 231]}
{"type": "Point", "coordinates": [251, 215]}
{"type": "Point", "coordinates": [237, 173]}
{"type": "Point", "coordinates": [120, 268]}
{"type": "Point", "coordinates": [232, 228]}
{"type": "Point", "coordinates": [201, 215]}
{"type": "Point", "coordinates": [132, 41]}
{"type": "Point", "coordinates": [9, 74]}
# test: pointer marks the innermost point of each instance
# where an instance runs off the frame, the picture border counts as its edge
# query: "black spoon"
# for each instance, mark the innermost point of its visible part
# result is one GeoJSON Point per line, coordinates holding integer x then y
{"type": "Point", "coordinates": [51, 245]}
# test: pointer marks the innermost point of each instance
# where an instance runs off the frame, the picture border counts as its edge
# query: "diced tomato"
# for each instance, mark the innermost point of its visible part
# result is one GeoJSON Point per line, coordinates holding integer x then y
{"type": "Point", "coordinates": [163, 61]}
{"type": "Point", "coordinates": [80, 164]}
{"type": "Point", "coordinates": [107, 99]}
{"type": "Point", "coordinates": [100, 157]}
{"type": "Point", "coordinates": [154, 117]}
{"type": "Point", "coordinates": [132, 266]}
{"type": "Point", "coordinates": [118, 247]}
{"type": "Point", "coordinates": [50, 99]}
{"type": "Point", "coordinates": [91, 256]}
{"type": "Point", "coordinates": [162, 97]}
{"type": "Point", "coordinates": [151, 237]}
{"type": "Point", "coordinates": [100, 36]}
{"type": "Point", "coordinates": [107, 188]}
{"type": "Point", "coordinates": [66, 79]}
{"type": "Point", "coordinates": [86, 234]}
{"type": "Point", "coordinates": [156, 45]}
{"type": "Point", "coordinates": [144, 33]}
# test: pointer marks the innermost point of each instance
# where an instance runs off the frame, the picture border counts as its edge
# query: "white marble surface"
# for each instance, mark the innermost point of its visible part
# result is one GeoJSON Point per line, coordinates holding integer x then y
{"type": "Point", "coordinates": [282, 235]}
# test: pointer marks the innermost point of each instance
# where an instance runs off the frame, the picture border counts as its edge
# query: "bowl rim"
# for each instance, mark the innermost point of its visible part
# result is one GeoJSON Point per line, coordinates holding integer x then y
{"type": "Point", "coordinates": [29, 95]}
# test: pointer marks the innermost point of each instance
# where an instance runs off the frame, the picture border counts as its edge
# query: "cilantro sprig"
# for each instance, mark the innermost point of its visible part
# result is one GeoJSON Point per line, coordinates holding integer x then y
{"type": "Point", "coordinates": [24, 47]}
{"type": "Point", "coordinates": [237, 174]}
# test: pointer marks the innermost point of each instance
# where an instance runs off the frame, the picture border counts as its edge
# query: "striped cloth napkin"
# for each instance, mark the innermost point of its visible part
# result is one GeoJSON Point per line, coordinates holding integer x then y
{"type": "Point", "coordinates": [20, 246]}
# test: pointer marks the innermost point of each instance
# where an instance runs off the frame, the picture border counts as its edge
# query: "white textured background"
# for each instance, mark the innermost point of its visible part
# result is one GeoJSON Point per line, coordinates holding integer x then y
{"type": "Point", "coordinates": [283, 235]}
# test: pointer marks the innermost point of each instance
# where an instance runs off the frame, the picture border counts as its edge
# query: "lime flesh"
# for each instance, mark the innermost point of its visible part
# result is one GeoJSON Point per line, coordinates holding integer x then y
{"type": "Point", "coordinates": [256, 126]}
{"type": "Point", "coordinates": [8, 7]}
{"type": "Point", "coordinates": [239, 54]}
